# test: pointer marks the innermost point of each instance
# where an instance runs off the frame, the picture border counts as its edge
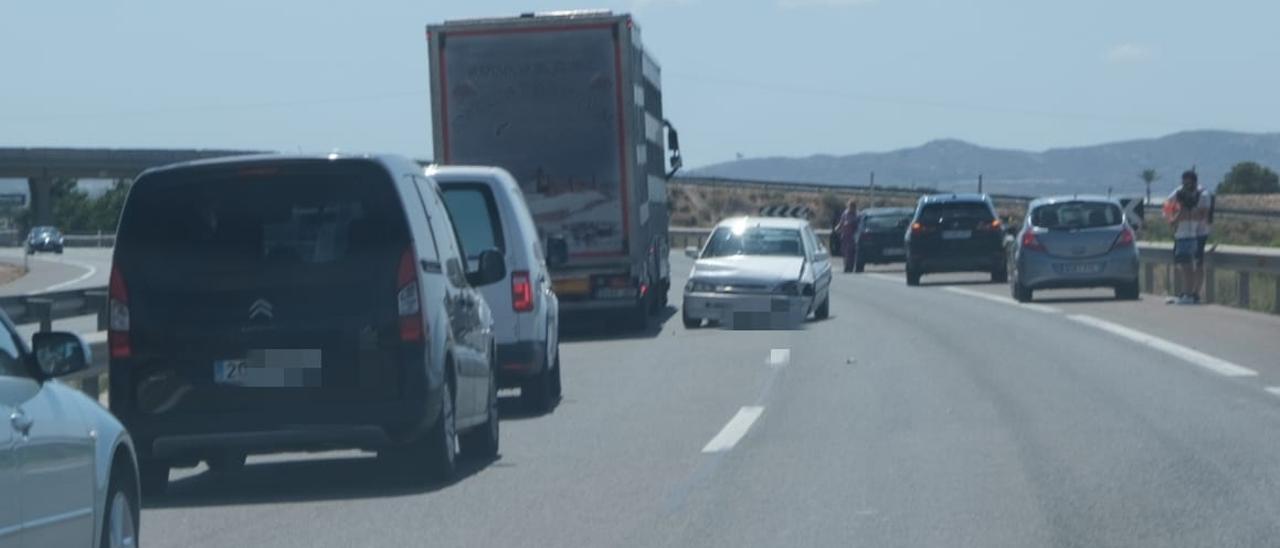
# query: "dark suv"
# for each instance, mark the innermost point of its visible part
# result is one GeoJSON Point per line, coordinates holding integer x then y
{"type": "Point", "coordinates": [955, 233]}
{"type": "Point", "coordinates": [276, 303]}
{"type": "Point", "coordinates": [880, 233]}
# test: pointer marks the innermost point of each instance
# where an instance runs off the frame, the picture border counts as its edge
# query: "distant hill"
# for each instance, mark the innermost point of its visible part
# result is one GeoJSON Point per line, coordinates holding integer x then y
{"type": "Point", "coordinates": [949, 164]}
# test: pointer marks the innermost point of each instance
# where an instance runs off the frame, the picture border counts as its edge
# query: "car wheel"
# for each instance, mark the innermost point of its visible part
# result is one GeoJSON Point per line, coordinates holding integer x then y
{"type": "Point", "coordinates": [557, 391]}
{"type": "Point", "coordinates": [226, 464]}
{"type": "Point", "coordinates": [120, 515]}
{"type": "Point", "coordinates": [535, 392]}
{"type": "Point", "coordinates": [824, 310]}
{"type": "Point", "coordinates": [441, 443]}
{"type": "Point", "coordinates": [154, 477]}
{"type": "Point", "coordinates": [859, 265]}
{"type": "Point", "coordinates": [1000, 276]}
{"type": "Point", "coordinates": [1021, 293]}
{"type": "Point", "coordinates": [58, 251]}
{"type": "Point", "coordinates": [913, 277]}
{"type": "Point", "coordinates": [1128, 292]}
{"type": "Point", "coordinates": [482, 441]}
{"type": "Point", "coordinates": [689, 322]}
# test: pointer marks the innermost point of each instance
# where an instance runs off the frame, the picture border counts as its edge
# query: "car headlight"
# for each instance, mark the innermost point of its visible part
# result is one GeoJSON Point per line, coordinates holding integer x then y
{"type": "Point", "coordinates": [788, 288]}
{"type": "Point", "coordinates": [695, 286]}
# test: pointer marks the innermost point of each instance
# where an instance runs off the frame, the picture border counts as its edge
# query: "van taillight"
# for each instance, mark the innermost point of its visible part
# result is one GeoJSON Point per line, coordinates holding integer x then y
{"type": "Point", "coordinates": [408, 300]}
{"type": "Point", "coordinates": [118, 342]}
{"type": "Point", "coordinates": [521, 292]}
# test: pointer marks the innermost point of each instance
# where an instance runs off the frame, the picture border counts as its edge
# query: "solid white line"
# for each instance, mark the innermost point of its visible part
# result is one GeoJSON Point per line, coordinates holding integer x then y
{"type": "Point", "coordinates": [779, 357]}
{"type": "Point", "coordinates": [90, 271]}
{"type": "Point", "coordinates": [1220, 366]}
{"type": "Point", "coordinates": [885, 277]}
{"type": "Point", "coordinates": [1003, 300]}
{"type": "Point", "coordinates": [734, 430]}
{"type": "Point", "coordinates": [1275, 390]}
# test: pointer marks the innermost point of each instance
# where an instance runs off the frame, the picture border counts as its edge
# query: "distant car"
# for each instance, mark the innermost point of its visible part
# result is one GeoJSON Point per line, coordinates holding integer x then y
{"type": "Point", "coordinates": [880, 233]}
{"type": "Point", "coordinates": [272, 303]}
{"type": "Point", "coordinates": [1069, 242]}
{"type": "Point", "coordinates": [68, 474]}
{"type": "Point", "coordinates": [491, 213]}
{"type": "Point", "coordinates": [955, 233]}
{"type": "Point", "coordinates": [44, 239]}
{"type": "Point", "coordinates": [756, 272]}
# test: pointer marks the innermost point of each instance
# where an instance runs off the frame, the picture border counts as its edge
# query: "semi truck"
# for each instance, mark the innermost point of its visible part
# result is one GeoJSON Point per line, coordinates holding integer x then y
{"type": "Point", "coordinates": [570, 104]}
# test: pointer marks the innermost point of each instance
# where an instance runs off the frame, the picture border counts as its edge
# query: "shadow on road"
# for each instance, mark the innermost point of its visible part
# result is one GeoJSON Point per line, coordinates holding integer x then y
{"type": "Point", "coordinates": [513, 409]}
{"type": "Point", "coordinates": [1079, 300]}
{"type": "Point", "coordinates": [338, 478]}
{"type": "Point", "coordinates": [609, 326]}
{"type": "Point", "coordinates": [944, 283]}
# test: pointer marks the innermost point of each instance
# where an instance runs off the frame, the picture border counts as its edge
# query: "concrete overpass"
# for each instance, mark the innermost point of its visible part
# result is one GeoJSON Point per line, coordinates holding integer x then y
{"type": "Point", "coordinates": [40, 166]}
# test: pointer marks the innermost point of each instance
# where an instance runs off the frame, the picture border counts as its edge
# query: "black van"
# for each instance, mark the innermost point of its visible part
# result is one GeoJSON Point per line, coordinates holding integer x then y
{"type": "Point", "coordinates": [275, 303]}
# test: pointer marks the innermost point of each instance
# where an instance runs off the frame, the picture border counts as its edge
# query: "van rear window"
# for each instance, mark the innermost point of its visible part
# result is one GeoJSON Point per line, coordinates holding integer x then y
{"type": "Point", "coordinates": [299, 216]}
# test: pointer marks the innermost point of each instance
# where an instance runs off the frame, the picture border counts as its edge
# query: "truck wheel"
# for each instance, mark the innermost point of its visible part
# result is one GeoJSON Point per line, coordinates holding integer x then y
{"type": "Point", "coordinates": [482, 441]}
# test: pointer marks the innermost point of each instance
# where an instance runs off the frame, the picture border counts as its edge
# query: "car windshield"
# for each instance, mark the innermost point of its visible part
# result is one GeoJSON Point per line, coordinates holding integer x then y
{"type": "Point", "coordinates": [887, 223]}
{"type": "Point", "coordinates": [726, 241]}
{"type": "Point", "coordinates": [43, 231]}
{"type": "Point", "coordinates": [1072, 215]}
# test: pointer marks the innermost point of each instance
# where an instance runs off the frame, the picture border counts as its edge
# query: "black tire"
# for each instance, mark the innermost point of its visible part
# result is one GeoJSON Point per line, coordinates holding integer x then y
{"type": "Point", "coordinates": [913, 277]}
{"type": "Point", "coordinates": [664, 290]}
{"type": "Point", "coordinates": [440, 445]}
{"type": "Point", "coordinates": [1021, 293]}
{"type": "Point", "coordinates": [824, 310]}
{"type": "Point", "coordinates": [58, 251]}
{"type": "Point", "coordinates": [1000, 276]}
{"type": "Point", "coordinates": [227, 463]}
{"type": "Point", "coordinates": [120, 516]}
{"type": "Point", "coordinates": [557, 390]}
{"type": "Point", "coordinates": [481, 442]}
{"type": "Point", "coordinates": [1129, 291]}
{"type": "Point", "coordinates": [859, 266]}
{"type": "Point", "coordinates": [153, 477]}
{"type": "Point", "coordinates": [638, 316]}
{"type": "Point", "coordinates": [536, 392]}
{"type": "Point", "coordinates": [689, 323]}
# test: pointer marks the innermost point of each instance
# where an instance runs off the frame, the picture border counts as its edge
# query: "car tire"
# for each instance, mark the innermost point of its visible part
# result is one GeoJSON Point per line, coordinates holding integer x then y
{"type": "Point", "coordinates": [1000, 276]}
{"type": "Point", "coordinates": [482, 441]}
{"type": "Point", "coordinates": [1129, 291]}
{"type": "Point", "coordinates": [536, 392]}
{"type": "Point", "coordinates": [120, 515]}
{"type": "Point", "coordinates": [58, 251]}
{"type": "Point", "coordinates": [913, 277]}
{"type": "Point", "coordinates": [226, 464]}
{"type": "Point", "coordinates": [557, 389]}
{"type": "Point", "coordinates": [824, 310]}
{"type": "Point", "coordinates": [153, 477]}
{"type": "Point", "coordinates": [859, 266]}
{"type": "Point", "coordinates": [440, 445]}
{"type": "Point", "coordinates": [1022, 293]}
{"type": "Point", "coordinates": [689, 322]}
{"type": "Point", "coordinates": [638, 316]}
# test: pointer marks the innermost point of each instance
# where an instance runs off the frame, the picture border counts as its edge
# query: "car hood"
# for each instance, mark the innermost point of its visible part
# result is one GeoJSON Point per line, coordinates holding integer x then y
{"type": "Point", "coordinates": [749, 268]}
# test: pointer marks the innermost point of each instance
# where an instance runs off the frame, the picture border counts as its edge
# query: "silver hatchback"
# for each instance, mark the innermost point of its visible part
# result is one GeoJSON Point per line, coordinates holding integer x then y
{"type": "Point", "coordinates": [1074, 242]}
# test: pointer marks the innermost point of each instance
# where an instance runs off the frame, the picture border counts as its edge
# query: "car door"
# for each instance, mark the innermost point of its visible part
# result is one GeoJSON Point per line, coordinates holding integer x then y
{"type": "Point", "coordinates": [820, 260]}
{"type": "Point", "coordinates": [462, 304]}
{"type": "Point", "coordinates": [15, 388]}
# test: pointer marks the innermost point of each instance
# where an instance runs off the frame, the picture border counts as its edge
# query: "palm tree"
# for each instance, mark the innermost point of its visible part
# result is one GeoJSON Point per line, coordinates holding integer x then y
{"type": "Point", "coordinates": [1149, 176]}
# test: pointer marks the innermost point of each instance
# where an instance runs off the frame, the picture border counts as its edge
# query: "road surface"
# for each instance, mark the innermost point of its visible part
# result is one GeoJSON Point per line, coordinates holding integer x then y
{"type": "Point", "coordinates": [76, 268]}
{"type": "Point", "coordinates": [944, 415]}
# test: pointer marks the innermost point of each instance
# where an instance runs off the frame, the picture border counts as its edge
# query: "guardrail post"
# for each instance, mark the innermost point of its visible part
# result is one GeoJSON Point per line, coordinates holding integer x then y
{"type": "Point", "coordinates": [1242, 288]}
{"type": "Point", "coordinates": [96, 300]}
{"type": "Point", "coordinates": [1149, 277]}
{"type": "Point", "coordinates": [42, 308]}
{"type": "Point", "coordinates": [1275, 297]}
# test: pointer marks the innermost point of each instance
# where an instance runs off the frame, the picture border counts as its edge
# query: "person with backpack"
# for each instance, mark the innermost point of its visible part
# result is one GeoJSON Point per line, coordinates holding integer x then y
{"type": "Point", "coordinates": [1188, 211]}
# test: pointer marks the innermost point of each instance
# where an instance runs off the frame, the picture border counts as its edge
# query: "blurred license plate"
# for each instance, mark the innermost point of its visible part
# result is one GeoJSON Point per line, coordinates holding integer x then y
{"type": "Point", "coordinates": [956, 234]}
{"type": "Point", "coordinates": [616, 293]}
{"type": "Point", "coordinates": [894, 251]}
{"type": "Point", "coordinates": [1079, 268]}
{"type": "Point", "coordinates": [572, 286]}
{"type": "Point", "coordinates": [271, 368]}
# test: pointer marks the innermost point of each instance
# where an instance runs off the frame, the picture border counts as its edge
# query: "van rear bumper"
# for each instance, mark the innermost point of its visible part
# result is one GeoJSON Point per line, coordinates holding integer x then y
{"type": "Point", "coordinates": [333, 426]}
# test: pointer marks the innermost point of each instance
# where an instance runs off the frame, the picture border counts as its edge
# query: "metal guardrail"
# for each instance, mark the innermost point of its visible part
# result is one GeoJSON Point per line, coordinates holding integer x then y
{"type": "Point", "coordinates": [1244, 262]}
{"type": "Point", "coordinates": [45, 308]}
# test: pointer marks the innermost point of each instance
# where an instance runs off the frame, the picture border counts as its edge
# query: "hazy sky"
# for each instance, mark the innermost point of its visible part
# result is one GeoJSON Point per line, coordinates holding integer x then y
{"type": "Point", "coordinates": [756, 77]}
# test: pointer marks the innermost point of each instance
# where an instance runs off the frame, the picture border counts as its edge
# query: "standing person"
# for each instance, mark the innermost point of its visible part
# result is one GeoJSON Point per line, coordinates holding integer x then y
{"type": "Point", "coordinates": [847, 228]}
{"type": "Point", "coordinates": [1190, 220]}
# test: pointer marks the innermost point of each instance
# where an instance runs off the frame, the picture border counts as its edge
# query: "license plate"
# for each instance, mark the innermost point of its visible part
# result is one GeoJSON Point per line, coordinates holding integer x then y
{"type": "Point", "coordinates": [572, 286]}
{"type": "Point", "coordinates": [271, 368]}
{"type": "Point", "coordinates": [616, 293]}
{"type": "Point", "coordinates": [894, 251]}
{"type": "Point", "coordinates": [956, 234]}
{"type": "Point", "coordinates": [1079, 268]}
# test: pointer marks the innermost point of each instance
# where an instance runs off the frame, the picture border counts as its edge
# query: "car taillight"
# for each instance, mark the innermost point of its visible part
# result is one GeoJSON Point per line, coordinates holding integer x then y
{"type": "Point", "coordinates": [1029, 241]}
{"type": "Point", "coordinates": [917, 228]}
{"type": "Point", "coordinates": [1125, 239]}
{"type": "Point", "coordinates": [408, 299]}
{"type": "Point", "coordinates": [118, 342]}
{"type": "Point", "coordinates": [521, 292]}
{"type": "Point", "coordinates": [993, 226]}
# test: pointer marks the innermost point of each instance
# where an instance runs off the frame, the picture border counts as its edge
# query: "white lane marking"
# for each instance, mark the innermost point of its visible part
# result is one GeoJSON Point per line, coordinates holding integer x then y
{"type": "Point", "coordinates": [885, 277]}
{"type": "Point", "coordinates": [734, 430]}
{"type": "Point", "coordinates": [1217, 365]}
{"type": "Point", "coordinates": [1003, 300]}
{"type": "Point", "coordinates": [1275, 390]}
{"type": "Point", "coordinates": [90, 270]}
{"type": "Point", "coordinates": [779, 357]}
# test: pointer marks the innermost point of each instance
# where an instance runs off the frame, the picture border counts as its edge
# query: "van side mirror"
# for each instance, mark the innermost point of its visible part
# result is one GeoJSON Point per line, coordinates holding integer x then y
{"type": "Point", "coordinates": [493, 268]}
{"type": "Point", "coordinates": [58, 354]}
{"type": "Point", "coordinates": [557, 251]}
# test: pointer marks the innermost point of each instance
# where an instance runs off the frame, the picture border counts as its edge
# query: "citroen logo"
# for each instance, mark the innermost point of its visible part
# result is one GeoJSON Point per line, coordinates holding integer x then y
{"type": "Point", "coordinates": [261, 308]}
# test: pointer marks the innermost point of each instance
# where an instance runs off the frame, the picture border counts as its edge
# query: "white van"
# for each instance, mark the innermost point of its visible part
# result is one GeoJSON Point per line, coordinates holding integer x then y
{"type": "Point", "coordinates": [489, 212]}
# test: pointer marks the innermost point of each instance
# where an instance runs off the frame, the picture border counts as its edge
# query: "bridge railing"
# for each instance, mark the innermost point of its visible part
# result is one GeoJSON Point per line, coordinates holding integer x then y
{"type": "Point", "coordinates": [1243, 277]}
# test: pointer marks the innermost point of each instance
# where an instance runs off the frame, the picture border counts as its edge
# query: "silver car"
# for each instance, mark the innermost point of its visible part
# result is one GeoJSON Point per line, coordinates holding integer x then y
{"type": "Point", "coordinates": [1074, 242]}
{"type": "Point", "coordinates": [758, 273]}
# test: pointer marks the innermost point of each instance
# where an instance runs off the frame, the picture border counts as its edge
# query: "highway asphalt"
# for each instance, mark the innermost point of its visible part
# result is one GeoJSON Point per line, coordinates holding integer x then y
{"type": "Point", "coordinates": [76, 268]}
{"type": "Point", "coordinates": [943, 415]}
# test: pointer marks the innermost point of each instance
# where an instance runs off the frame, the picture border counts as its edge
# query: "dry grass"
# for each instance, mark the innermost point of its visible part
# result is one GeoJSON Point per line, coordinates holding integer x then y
{"type": "Point", "coordinates": [11, 272]}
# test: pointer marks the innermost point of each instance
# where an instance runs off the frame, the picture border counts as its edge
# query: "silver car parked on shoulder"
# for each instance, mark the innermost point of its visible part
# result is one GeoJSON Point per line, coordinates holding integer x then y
{"type": "Point", "coordinates": [1074, 242]}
